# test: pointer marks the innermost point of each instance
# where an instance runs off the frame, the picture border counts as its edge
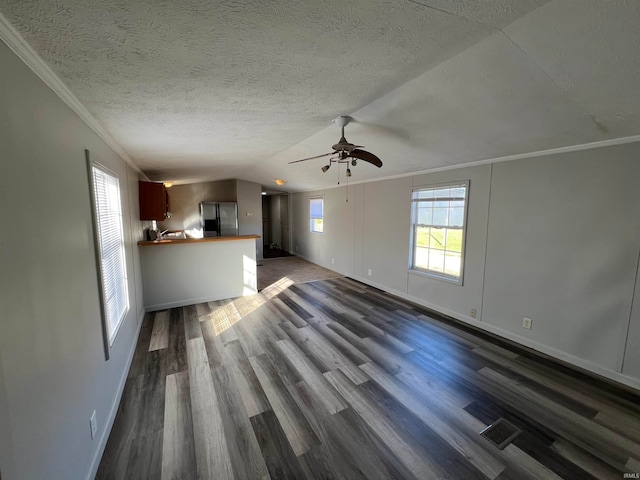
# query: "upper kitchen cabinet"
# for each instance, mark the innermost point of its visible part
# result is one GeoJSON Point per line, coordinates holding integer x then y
{"type": "Point", "coordinates": [154, 201]}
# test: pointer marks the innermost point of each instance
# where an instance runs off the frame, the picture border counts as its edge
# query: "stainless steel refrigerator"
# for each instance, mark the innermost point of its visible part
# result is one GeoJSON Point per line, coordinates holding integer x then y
{"type": "Point", "coordinates": [219, 219]}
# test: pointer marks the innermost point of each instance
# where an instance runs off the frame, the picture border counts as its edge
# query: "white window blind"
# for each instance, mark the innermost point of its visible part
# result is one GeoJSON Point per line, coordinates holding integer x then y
{"type": "Point", "coordinates": [316, 214]}
{"type": "Point", "coordinates": [113, 271]}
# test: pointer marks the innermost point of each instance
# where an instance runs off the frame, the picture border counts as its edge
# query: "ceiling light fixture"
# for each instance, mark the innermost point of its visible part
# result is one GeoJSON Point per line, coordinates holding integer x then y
{"type": "Point", "coordinates": [264, 193]}
{"type": "Point", "coordinates": [280, 181]}
{"type": "Point", "coordinates": [168, 184]}
{"type": "Point", "coordinates": [348, 172]}
{"type": "Point", "coordinates": [325, 168]}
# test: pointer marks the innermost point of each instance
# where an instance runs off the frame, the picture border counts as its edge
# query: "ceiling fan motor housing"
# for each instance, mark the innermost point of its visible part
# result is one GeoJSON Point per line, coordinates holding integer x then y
{"type": "Point", "coordinates": [342, 121]}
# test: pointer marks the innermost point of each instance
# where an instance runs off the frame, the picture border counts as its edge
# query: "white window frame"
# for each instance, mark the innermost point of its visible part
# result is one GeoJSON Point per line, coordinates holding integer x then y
{"type": "Point", "coordinates": [438, 275]}
{"type": "Point", "coordinates": [312, 228]}
{"type": "Point", "coordinates": [111, 260]}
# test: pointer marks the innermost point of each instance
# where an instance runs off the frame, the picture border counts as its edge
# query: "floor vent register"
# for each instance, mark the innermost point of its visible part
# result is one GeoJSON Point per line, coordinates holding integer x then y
{"type": "Point", "coordinates": [501, 433]}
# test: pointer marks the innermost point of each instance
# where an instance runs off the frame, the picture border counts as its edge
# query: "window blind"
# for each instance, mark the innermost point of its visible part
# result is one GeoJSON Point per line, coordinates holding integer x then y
{"type": "Point", "coordinates": [113, 269]}
{"type": "Point", "coordinates": [316, 207]}
{"type": "Point", "coordinates": [316, 222]}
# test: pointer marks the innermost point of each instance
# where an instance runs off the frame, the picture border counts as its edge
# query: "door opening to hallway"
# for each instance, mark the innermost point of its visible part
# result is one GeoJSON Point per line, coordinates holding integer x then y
{"type": "Point", "coordinates": [275, 225]}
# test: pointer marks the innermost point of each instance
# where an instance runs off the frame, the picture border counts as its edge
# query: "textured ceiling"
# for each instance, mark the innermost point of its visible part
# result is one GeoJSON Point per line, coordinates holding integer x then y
{"type": "Point", "coordinates": [199, 90]}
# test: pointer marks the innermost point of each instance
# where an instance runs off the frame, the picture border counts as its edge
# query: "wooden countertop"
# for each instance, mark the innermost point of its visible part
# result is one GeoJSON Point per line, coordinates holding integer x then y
{"type": "Point", "coordinates": [181, 241]}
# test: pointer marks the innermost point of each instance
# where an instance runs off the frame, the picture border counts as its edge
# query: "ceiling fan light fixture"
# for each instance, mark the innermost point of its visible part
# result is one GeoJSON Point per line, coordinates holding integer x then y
{"type": "Point", "coordinates": [343, 150]}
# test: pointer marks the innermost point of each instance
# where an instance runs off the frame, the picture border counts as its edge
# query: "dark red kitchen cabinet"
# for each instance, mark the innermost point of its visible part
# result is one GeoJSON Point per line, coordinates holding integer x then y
{"type": "Point", "coordinates": [154, 201]}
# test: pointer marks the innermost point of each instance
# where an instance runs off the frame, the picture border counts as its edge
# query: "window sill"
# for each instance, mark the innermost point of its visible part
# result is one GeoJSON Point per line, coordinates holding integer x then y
{"type": "Point", "coordinates": [435, 276]}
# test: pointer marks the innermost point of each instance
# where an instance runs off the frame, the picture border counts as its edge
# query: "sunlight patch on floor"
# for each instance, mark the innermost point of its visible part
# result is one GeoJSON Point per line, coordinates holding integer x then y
{"type": "Point", "coordinates": [277, 287]}
{"type": "Point", "coordinates": [224, 317]}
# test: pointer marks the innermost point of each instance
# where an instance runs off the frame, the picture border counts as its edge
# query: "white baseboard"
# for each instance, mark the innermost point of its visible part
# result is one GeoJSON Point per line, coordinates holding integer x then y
{"type": "Point", "coordinates": [525, 342]}
{"type": "Point", "coordinates": [95, 463]}
{"type": "Point", "coordinates": [193, 301]}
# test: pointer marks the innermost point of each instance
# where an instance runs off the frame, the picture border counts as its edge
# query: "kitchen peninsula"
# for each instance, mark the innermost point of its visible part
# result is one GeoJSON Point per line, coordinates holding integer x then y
{"type": "Point", "coordinates": [178, 272]}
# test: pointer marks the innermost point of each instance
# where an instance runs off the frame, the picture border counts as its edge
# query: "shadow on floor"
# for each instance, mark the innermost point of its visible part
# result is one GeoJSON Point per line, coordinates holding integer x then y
{"type": "Point", "coordinates": [269, 252]}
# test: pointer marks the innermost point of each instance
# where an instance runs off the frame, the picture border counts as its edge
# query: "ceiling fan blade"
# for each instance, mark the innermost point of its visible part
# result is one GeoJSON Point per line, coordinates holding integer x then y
{"type": "Point", "coordinates": [313, 158]}
{"type": "Point", "coordinates": [366, 156]}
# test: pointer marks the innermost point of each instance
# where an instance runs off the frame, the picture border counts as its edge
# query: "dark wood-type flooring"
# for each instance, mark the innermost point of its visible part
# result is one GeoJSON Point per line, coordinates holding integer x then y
{"type": "Point", "coordinates": [335, 379]}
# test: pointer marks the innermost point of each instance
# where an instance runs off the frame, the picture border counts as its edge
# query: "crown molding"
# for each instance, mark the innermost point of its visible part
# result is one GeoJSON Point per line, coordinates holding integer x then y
{"type": "Point", "coordinates": [18, 45]}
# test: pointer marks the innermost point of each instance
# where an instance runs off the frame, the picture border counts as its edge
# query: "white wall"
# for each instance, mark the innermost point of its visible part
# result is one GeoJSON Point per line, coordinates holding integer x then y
{"type": "Point", "coordinates": [386, 216]}
{"type": "Point", "coordinates": [188, 273]}
{"type": "Point", "coordinates": [6, 448]}
{"type": "Point", "coordinates": [250, 211]}
{"type": "Point", "coordinates": [51, 348]}
{"type": "Point", "coordinates": [562, 250]}
{"type": "Point", "coordinates": [555, 238]}
{"type": "Point", "coordinates": [631, 365]}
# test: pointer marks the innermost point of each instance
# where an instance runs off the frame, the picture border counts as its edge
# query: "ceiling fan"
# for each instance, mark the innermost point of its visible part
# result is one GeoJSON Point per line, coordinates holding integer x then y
{"type": "Point", "coordinates": [344, 151]}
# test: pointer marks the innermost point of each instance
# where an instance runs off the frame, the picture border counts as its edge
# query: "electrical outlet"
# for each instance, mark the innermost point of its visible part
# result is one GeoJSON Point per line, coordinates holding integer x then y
{"type": "Point", "coordinates": [369, 272]}
{"type": "Point", "coordinates": [94, 425]}
{"type": "Point", "coordinates": [526, 323]}
{"type": "Point", "coordinates": [333, 261]}
{"type": "Point", "coordinates": [473, 313]}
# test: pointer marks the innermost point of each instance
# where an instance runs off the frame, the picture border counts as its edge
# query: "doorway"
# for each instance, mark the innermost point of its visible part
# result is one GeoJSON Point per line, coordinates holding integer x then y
{"type": "Point", "coordinates": [275, 225]}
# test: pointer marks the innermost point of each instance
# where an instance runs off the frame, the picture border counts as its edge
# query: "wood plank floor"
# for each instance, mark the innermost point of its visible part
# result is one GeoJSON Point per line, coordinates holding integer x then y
{"type": "Point", "coordinates": [335, 379]}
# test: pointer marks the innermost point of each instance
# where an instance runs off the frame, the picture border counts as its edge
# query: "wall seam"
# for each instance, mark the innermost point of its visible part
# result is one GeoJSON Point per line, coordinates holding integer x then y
{"type": "Point", "coordinates": [411, 239]}
{"type": "Point", "coordinates": [626, 335]}
{"type": "Point", "coordinates": [364, 202]}
{"type": "Point", "coordinates": [486, 245]}
{"type": "Point", "coordinates": [10, 466]}
{"type": "Point", "coordinates": [353, 238]}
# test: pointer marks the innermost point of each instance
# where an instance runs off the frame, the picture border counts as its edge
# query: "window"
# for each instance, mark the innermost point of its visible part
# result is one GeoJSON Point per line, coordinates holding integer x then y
{"type": "Point", "coordinates": [316, 208]}
{"type": "Point", "coordinates": [438, 217]}
{"type": "Point", "coordinates": [110, 256]}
